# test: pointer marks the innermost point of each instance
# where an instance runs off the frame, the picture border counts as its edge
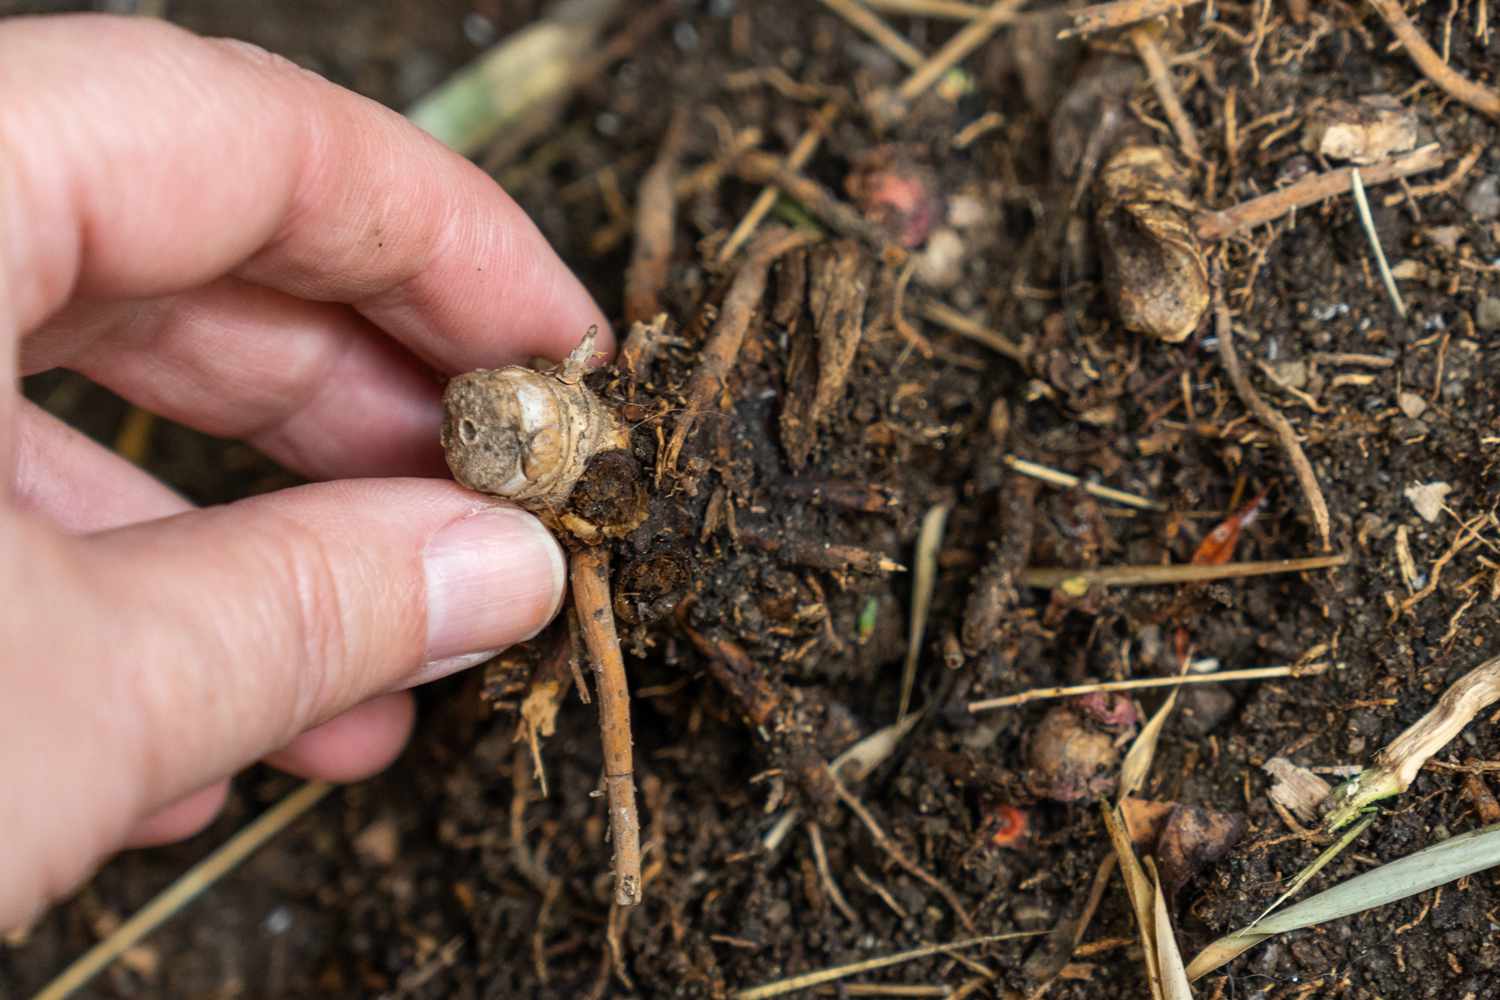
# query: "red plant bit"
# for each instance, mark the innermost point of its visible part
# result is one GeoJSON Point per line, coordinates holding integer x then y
{"type": "Point", "coordinates": [896, 194]}
{"type": "Point", "coordinates": [1008, 826]}
{"type": "Point", "coordinates": [1218, 547]}
{"type": "Point", "coordinates": [1114, 711]}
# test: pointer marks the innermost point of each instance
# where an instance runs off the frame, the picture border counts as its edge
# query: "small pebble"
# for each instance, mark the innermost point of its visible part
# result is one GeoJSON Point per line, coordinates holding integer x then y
{"type": "Point", "coordinates": [1428, 499]}
{"type": "Point", "coordinates": [1483, 199]}
{"type": "Point", "coordinates": [1411, 404]}
{"type": "Point", "coordinates": [1291, 373]}
{"type": "Point", "coordinates": [478, 29]}
{"type": "Point", "coordinates": [685, 36]}
{"type": "Point", "coordinates": [1487, 314]}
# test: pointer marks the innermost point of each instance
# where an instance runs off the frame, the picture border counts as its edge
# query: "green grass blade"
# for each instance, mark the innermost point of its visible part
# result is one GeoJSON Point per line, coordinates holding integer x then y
{"type": "Point", "coordinates": [1432, 866]}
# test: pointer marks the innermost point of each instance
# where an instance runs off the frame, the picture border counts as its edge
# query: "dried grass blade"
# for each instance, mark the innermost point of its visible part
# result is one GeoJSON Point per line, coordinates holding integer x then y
{"type": "Point", "coordinates": [1140, 890]}
{"type": "Point", "coordinates": [929, 542]}
{"type": "Point", "coordinates": [1174, 980]}
{"type": "Point", "coordinates": [1138, 759]}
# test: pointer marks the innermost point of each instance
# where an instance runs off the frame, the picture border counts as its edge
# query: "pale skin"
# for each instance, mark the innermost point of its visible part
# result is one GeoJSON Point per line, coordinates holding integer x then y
{"type": "Point", "coordinates": [241, 246]}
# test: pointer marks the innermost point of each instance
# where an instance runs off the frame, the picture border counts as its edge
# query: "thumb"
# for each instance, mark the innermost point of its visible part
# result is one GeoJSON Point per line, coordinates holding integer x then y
{"type": "Point", "coordinates": [154, 659]}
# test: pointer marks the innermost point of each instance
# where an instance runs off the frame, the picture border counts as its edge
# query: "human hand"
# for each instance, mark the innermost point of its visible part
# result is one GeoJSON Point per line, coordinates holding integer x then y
{"type": "Point", "coordinates": [236, 244]}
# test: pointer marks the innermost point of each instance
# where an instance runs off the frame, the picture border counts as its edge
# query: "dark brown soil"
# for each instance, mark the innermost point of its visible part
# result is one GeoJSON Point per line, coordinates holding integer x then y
{"type": "Point", "coordinates": [496, 891]}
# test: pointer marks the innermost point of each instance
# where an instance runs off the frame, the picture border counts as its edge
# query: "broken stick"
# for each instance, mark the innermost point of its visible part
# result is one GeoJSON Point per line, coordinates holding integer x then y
{"type": "Point", "coordinates": [1272, 419]}
{"type": "Point", "coordinates": [597, 619]}
{"type": "Point", "coordinates": [1396, 767]}
{"type": "Point", "coordinates": [1312, 189]}
{"type": "Point", "coordinates": [656, 220]}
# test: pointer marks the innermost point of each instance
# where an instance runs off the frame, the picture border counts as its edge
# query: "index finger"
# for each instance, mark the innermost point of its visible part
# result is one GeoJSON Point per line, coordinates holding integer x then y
{"type": "Point", "coordinates": [137, 160]}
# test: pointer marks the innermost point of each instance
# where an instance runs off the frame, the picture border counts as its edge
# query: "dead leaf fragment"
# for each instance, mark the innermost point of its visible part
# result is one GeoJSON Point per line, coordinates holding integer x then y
{"type": "Point", "coordinates": [1193, 837]}
{"type": "Point", "coordinates": [1297, 788]}
{"type": "Point", "coordinates": [379, 842]}
{"type": "Point", "coordinates": [1153, 264]}
{"type": "Point", "coordinates": [1365, 131]}
{"type": "Point", "coordinates": [1428, 499]}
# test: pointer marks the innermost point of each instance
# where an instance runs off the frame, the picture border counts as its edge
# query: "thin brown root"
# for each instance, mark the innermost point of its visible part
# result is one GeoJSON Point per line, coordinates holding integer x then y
{"type": "Point", "coordinates": [820, 860]}
{"type": "Point", "coordinates": [597, 619]}
{"type": "Point", "coordinates": [656, 223]}
{"type": "Point", "coordinates": [1444, 184]}
{"type": "Point", "coordinates": [894, 852]}
{"type": "Point", "coordinates": [1143, 38]}
{"type": "Point", "coordinates": [723, 345]}
{"type": "Point", "coordinates": [703, 178]}
{"type": "Point", "coordinates": [795, 160]}
{"type": "Point", "coordinates": [1152, 575]}
{"type": "Point", "coordinates": [1104, 16]}
{"type": "Point", "coordinates": [903, 326]}
{"type": "Point", "coordinates": [1218, 677]}
{"type": "Point", "coordinates": [1310, 190]}
{"type": "Point", "coordinates": [1272, 419]}
{"type": "Point", "coordinates": [949, 318]}
{"type": "Point", "coordinates": [521, 857]}
{"type": "Point", "coordinates": [640, 347]}
{"type": "Point", "coordinates": [1449, 80]}
{"type": "Point", "coordinates": [188, 887]}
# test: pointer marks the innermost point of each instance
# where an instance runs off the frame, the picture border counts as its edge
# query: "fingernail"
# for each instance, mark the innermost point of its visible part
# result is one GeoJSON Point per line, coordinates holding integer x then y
{"type": "Point", "coordinates": [437, 669]}
{"type": "Point", "coordinates": [494, 578]}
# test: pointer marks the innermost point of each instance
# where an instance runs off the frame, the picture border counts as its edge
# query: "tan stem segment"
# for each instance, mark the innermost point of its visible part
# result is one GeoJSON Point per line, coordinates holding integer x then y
{"type": "Point", "coordinates": [596, 616]}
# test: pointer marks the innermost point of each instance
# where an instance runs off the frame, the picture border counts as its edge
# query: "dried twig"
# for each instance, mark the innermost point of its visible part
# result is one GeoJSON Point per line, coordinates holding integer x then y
{"type": "Point", "coordinates": [1397, 765]}
{"type": "Point", "coordinates": [703, 178]}
{"type": "Point", "coordinates": [951, 319]}
{"type": "Point", "coordinates": [870, 23]}
{"type": "Point", "coordinates": [795, 160]}
{"type": "Point", "coordinates": [969, 38]}
{"type": "Point", "coordinates": [952, 10]}
{"type": "Point", "coordinates": [1310, 190]}
{"type": "Point", "coordinates": [808, 980]}
{"type": "Point", "coordinates": [1143, 38]}
{"type": "Point", "coordinates": [596, 616]}
{"type": "Point", "coordinates": [1476, 96]}
{"type": "Point", "coordinates": [1151, 575]}
{"type": "Point", "coordinates": [1066, 479]}
{"type": "Point", "coordinates": [656, 221]}
{"type": "Point", "coordinates": [1103, 16]}
{"type": "Point", "coordinates": [1272, 419]}
{"type": "Point", "coordinates": [1250, 674]}
{"type": "Point", "coordinates": [763, 168]}
{"type": "Point", "coordinates": [723, 346]}
{"type": "Point", "coordinates": [187, 888]}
